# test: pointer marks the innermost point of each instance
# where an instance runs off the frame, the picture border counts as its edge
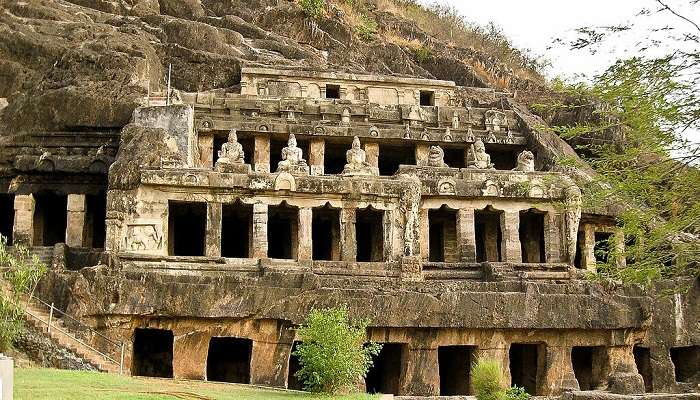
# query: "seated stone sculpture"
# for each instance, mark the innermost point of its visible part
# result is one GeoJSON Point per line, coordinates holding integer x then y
{"type": "Point", "coordinates": [526, 162]}
{"type": "Point", "coordinates": [477, 157]}
{"type": "Point", "coordinates": [231, 156]}
{"type": "Point", "coordinates": [357, 161]}
{"type": "Point", "coordinates": [292, 158]}
{"type": "Point", "coordinates": [436, 157]}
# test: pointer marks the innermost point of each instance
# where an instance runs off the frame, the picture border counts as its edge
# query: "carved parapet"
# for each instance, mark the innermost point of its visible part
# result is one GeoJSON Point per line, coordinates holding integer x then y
{"type": "Point", "coordinates": [411, 269]}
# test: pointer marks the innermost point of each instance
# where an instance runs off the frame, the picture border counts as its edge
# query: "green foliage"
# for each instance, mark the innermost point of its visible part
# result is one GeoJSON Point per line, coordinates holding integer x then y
{"type": "Point", "coordinates": [313, 8]}
{"type": "Point", "coordinates": [22, 271]}
{"type": "Point", "coordinates": [517, 393]}
{"type": "Point", "coordinates": [367, 28]}
{"type": "Point", "coordinates": [487, 380]}
{"type": "Point", "coordinates": [333, 353]}
{"type": "Point", "coordinates": [423, 53]}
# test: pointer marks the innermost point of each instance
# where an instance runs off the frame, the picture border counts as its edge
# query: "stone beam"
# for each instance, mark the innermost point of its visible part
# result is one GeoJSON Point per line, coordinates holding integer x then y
{"type": "Point", "coordinates": [23, 228]}
{"type": "Point", "coordinates": [75, 224]}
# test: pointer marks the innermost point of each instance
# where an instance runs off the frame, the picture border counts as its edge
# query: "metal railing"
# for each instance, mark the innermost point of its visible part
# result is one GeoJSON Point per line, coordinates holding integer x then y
{"type": "Point", "coordinates": [51, 325]}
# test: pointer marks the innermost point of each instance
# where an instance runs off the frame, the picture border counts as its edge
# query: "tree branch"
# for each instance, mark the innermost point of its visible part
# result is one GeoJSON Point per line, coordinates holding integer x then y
{"type": "Point", "coordinates": [672, 11]}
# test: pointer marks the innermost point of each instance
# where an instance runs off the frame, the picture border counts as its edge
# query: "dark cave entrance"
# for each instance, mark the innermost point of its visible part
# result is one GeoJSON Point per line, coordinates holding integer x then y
{"type": "Point", "coordinates": [95, 229]}
{"type": "Point", "coordinates": [391, 156]}
{"type": "Point", "coordinates": [587, 361]}
{"type": "Point", "coordinates": [642, 358]}
{"type": "Point", "coordinates": [686, 363]}
{"type": "Point", "coordinates": [294, 365]}
{"type": "Point", "coordinates": [443, 235]}
{"type": "Point", "coordinates": [282, 231]}
{"type": "Point", "coordinates": [153, 353]}
{"type": "Point", "coordinates": [369, 235]}
{"type": "Point", "coordinates": [325, 233]}
{"type": "Point", "coordinates": [7, 216]}
{"type": "Point", "coordinates": [487, 228]}
{"type": "Point", "coordinates": [526, 365]}
{"type": "Point", "coordinates": [228, 359]}
{"type": "Point", "coordinates": [50, 216]}
{"type": "Point", "coordinates": [236, 228]}
{"type": "Point", "coordinates": [187, 226]}
{"type": "Point", "coordinates": [531, 233]}
{"type": "Point", "coordinates": [385, 375]}
{"type": "Point", "coordinates": [454, 364]}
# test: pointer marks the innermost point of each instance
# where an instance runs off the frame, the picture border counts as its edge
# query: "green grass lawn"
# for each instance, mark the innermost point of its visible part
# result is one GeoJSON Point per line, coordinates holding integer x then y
{"type": "Point", "coordinates": [53, 384]}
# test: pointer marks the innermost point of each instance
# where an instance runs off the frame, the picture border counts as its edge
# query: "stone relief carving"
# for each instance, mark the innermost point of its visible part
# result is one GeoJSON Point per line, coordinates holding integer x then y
{"type": "Point", "coordinates": [455, 120]}
{"type": "Point", "coordinates": [345, 117]}
{"type": "Point", "coordinates": [496, 121]}
{"type": "Point", "coordinates": [231, 156]}
{"type": "Point", "coordinates": [45, 162]}
{"type": "Point", "coordinates": [470, 138]}
{"type": "Point", "coordinates": [407, 131]}
{"type": "Point", "coordinates": [144, 236]}
{"type": "Point", "coordinates": [572, 218]}
{"type": "Point", "coordinates": [206, 124]}
{"type": "Point", "coordinates": [409, 205]}
{"type": "Point", "coordinates": [285, 181]}
{"type": "Point", "coordinates": [447, 137]}
{"type": "Point", "coordinates": [357, 161]}
{"type": "Point", "coordinates": [447, 186]}
{"type": "Point", "coordinates": [477, 157]}
{"type": "Point", "coordinates": [490, 188]}
{"type": "Point", "coordinates": [424, 135]}
{"type": "Point", "coordinates": [292, 158]}
{"type": "Point", "coordinates": [436, 157]}
{"type": "Point", "coordinates": [526, 162]}
{"type": "Point", "coordinates": [415, 116]}
{"type": "Point", "coordinates": [373, 131]}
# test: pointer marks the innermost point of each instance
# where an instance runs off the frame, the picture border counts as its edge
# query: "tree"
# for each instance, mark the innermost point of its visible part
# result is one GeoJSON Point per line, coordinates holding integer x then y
{"type": "Point", "coordinates": [333, 354]}
{"type": "Point", "coordinates": [643, 108]}
{"type": "Point", "coordinates": [21, 271]}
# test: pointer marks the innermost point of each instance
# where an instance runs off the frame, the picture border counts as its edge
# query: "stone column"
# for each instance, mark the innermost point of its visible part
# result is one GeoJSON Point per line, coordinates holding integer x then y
{"type": "Point", "coordinates": [623, 377]}
{"type": "Point", "coordinates": [190, 351]}
{"type": "Point", "coordinates": [372, 153]}
{"type": "Point", "coordinates": [259, 235]}
{"type": "Point", "coordinates": [425, 233]}
{"type": "Point", "coordinates": [421, 376]}
{"type": "Point", "coordinates": [348, 243]}
{"type": "Point", "coordinates": [588, 248]}
{"type": "Point", "coordinates": [553, 225]}
{"type": "Point", "coordinates": [6, 377]}
{"type": "Point", "coordinates": [466, 235]}
{"type": "Point", "coordinates": [510, 247]}
{"type": "Point", "coordinates": [261, 154]}
{"type": "Point", "coordinates": [317, 152]}
{"type": "Point", "coordinates": [23, 229]}
{"type": "Point", "coordinates": [75, 224]}
{"type": "Point", "coordinates": [558, 371]}
{"type": "Point", "coordinates": [619, 239]}
{"type": "Point", "coordinates": [421, 152]}
{"type": "Point", "coordinates": [497, 352]}
{"type": "Point", "coordinates": [206, 150]}
{"type": "Point", "coordinates": [304, 240]}
{"type": "Point", "coordinates": [213, 241]}
{"type": "Point", "coordinates": [267, 363]}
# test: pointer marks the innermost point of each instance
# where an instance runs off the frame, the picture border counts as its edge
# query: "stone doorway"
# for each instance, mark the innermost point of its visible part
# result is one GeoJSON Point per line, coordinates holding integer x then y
{"type": "Point", "coordinates": [454, 364]}
{"type": "Point", "coordinates": [642, 358]}
{"type": "Point", "coordinates": [7, 216]}
{"type": "Point", "coordinates": [587, 362]}
{"type": "Point", "coordinates": [369, 235]}
{"type": "Point", "coordinates": [294, 365]}
{"type": "Point", "coordinates": [50, 216]}
{"type": "Point", "coordinates": [489, 235]}
{"type": "Point", "coordinates": [187, 224]}
{"type": "Point", "coordinates": [531, 234]}
{"type": "Point", "coordinates": [325, 232]}
{"type": "Point", "coordinates": [283, 231]}
{"type": "Point", "coordinates": [94, 230]}
{"type": "Point", "coordinates": [443, 235]}
{"type": "Point", "coordinates": [686, 363]}
{"type": "Point", "coordinates": [385, 375]}
{"type": "Point", "coordinates": [526, 365]}
{"type": "Point", "coordinates": [228, 359]}
{"type": "Point", "coordinates": [153, 353]}
{"type": "Point", "coordinates": [236, 228]}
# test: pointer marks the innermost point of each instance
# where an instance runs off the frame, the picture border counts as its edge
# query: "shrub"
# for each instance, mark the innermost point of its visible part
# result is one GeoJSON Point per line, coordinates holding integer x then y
{"type": "Point", "coordinates": [487, 380]}
{"type": "Point", "coordinates": [422, 53]}
{"type": "Point", "coordinates": [21, 271]}
{"type": "Point", "coordinates": [313, 8]}
{"type": "Point", "coordinates": [333, 355]}
{"type": "Point", "coordinates": [517, 393]}
{"type": "Point", "coordinates": [367, 29]}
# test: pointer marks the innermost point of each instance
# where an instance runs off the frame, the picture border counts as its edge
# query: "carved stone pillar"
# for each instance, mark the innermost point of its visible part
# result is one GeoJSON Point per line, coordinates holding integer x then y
{"type": "Point", "coordinates": [259, 233]}
{"type": "Point", "coordinates": [510, 226]}
{"type": "Point", "coordinates": [466, 235]}
{"type": "Point", "coordinates": [23, 229]}
{"type": "Point", "coordinates": [305, 249]}
{"type": "Point", "coordinates": [213, 241]}
{"type": "Point", "coordinates": [261, 154]}
{"type": "Point", "coordinates": [424, 233]}
{"type": "Point", "coordinates": [496, 351]}
{"type": "Point", "coordinates": [75, 223]}
{"type": "Point", "coordinates": [553, 225]}
{"type": "Point", "coordinates": [190, 351]}
{"type": "Point", "coordinates": [206, 150]}
{"type": "Point", "coordinates": [558, 371]}
{"type": "Point", "coordinates": [372, 153]}
{"type": "Point", "coordinates": [317, 151]}
{"type": "Point", "coordinates": [421, 153]}
{"type": "Point", "coordinates": [588, 248]}
{"type": "Point", "coordinates": [623, 377]}
{"type": "Point", "coordinates": [421, 376]}
{"type": "Point", "coordinates": [347, 234]}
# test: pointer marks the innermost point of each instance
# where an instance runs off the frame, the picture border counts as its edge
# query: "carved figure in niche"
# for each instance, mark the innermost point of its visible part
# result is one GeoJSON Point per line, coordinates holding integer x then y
{"type": "Point", "coordinates": [495, 121]}
{"type": "Point", "coordinates": [409, 206]}
{"type": "Point", "coordinates": [572, 218]}
{"type": "Point", "coordinates": [231, 152]}
{"type": "Point", "coordinates": [345, 117]}
{"type": "Point", "coordinates": [455, 121]}
{"type": "Point", "coordinates": [373, 131]}
{"type": "Point", "coordinates": [470, 135]}
{"type": "Point", "coordinates": [424, 135]}
{"type": "Point", "coordinates": [436, 157]}
{"type": "Point", "coordinates": [407, 131]}
{"type": "Point", "coordinates": [477, 156]}
{"type": "Point", "coordinates": [526, 162]}
{"type": "Point", "coordinates": [292, 157]}
{"type": "Point", "coordinates": [447, 137]}
{"type": "Point", "coordinates": [143, 237]}
{"type": "Point", "coordinates": [357, 161]}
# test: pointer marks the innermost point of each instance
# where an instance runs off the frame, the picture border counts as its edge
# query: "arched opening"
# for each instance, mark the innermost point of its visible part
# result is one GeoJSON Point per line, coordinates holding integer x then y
{"type": "Point", "coordinates": [531, 232]}
{"type": "Point", "coordinates": [443, 235]}
{"type": "Point", "coordinates": [489, 235]}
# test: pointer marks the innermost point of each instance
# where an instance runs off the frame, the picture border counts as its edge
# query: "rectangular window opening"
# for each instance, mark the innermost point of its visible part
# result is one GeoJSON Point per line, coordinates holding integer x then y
{"type": "Point", "coordinates": [454, 365]}
{"type": "Point", "coordinates": [153, 353]}
{"type": "Point", "coordinates": [686, 363]}
{"type": "Point", "coordinates": [390, 157]}
{"type": "Point", "coordinates": [187, 225]}
{"type": "Point", "coordinates": [332, 91]}
{"type": "Point", "coordinates": [385, 375]}
{"type": "Point", "coordinates": [427, 98]}
{"type": "Point", "coordinates": [325, 232]}
{"type": "Point", "coordinates": [228, 359]}
{"type": "Point", "coordinates": [369, 234]}
{"type": "Point", "coordinates": [454, 157]}
{"type": "Point", "coordinates": [487, 226]}
{"type": "Point", "coordinates": [531, 233]}
{"type": "Point", "coordinates": [282, 231]}
{"type": "Point", "coordinates": [526, 365]}
{"type": "Point", "coordinates": [443, 235]}
{"type": "Point", "coordinates": [334, 158]}
{"type": "Point", "coordinates": [587, 362]}
{"type": "Point", "coordinates": [95, 229]}
{"type": "Point", "coordinates": [236, 228]}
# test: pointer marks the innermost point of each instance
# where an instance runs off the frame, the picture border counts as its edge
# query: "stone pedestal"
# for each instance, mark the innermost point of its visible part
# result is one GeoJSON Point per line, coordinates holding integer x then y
{"type": "Point", "coordinates": [232, 168]}
{"type": "Point", "coordinates": [76, 220]}
{"type": "Point", "coordinates": [213, 238]}
{"type": "Point", "coordinates": [261, 154]}
{"type": "Point", "coordinates": [6, 377]}
{"type": "Point", "coordinates": [23, 229]}
{"type": "Point", "coordinates": [466, 235]}
{"type": "Point", "coordinates": [259, 236]}
{"type": "Point", "coordinates": [317, 152]}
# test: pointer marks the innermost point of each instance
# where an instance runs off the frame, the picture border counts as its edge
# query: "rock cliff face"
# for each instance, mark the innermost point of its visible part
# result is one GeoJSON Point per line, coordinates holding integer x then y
{"type": "Point", "coordinates": [79, 64]}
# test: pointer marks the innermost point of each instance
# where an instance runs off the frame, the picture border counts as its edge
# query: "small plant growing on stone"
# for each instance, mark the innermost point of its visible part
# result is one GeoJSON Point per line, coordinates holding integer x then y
{"type": "Point", "coordinates": [487, 380]}
{"type": "Point", "coordinates": [313, 8]}
{"type": "Point", "coordinates": [333, 352]}
{"type": "Point", "coordinates": [422, 53]}
{"type": "Point", "coordinates": [517, 393]}
{"type": "Point", "coordinates": [367, 28]}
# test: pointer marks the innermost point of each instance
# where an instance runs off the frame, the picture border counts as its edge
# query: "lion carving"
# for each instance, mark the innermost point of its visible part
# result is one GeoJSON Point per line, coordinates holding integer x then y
{"type": "Point", "coordinates": [526, 162]}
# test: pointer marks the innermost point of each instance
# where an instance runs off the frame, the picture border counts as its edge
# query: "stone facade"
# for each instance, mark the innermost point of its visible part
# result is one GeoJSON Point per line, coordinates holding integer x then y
{"type": "Point", "coordinates": [229, 216]}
